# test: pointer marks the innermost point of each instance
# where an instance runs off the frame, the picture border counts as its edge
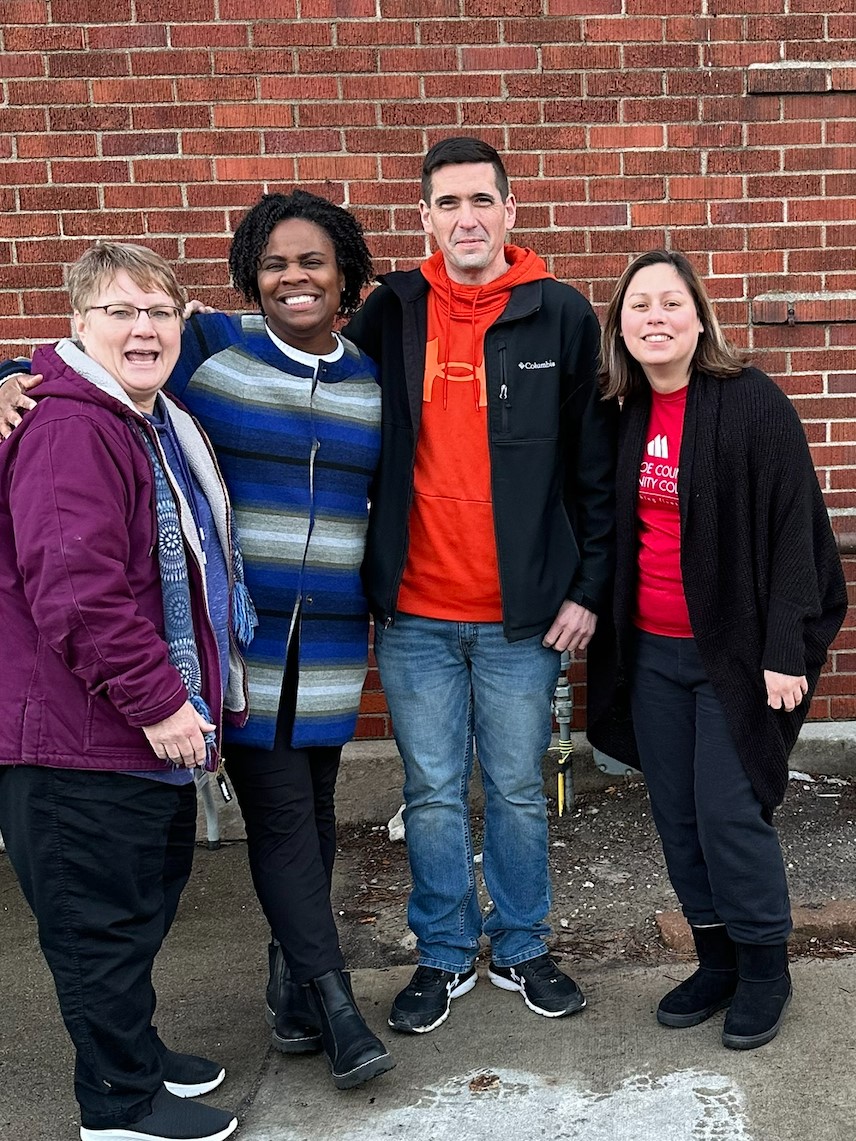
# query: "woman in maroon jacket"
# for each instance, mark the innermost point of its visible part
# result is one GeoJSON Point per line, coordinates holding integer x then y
{"type": "Point", "coordinates": [117, 574]}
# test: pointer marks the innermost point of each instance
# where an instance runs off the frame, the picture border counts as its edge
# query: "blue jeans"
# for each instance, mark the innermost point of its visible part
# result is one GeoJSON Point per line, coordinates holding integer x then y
{"type": "Point", "coordinates": [722, 853]}
{"type": "Point", "coordinates": [445, 683]}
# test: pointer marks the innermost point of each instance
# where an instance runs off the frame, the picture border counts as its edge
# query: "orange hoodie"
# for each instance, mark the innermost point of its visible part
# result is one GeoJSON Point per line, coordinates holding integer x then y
{"type": "Point", "coordinates": [451, 570]}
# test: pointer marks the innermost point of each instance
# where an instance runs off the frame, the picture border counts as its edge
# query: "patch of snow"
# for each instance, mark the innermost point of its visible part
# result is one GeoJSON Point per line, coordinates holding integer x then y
{"type": "Point", "coordinates": [698, 1106]}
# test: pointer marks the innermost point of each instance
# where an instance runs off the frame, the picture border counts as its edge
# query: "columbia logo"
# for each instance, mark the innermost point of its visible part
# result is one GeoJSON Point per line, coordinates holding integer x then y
{"type": "Point", "coordinates": [537, 364]}
{"type": "Point", "coordinates": [659, 447]}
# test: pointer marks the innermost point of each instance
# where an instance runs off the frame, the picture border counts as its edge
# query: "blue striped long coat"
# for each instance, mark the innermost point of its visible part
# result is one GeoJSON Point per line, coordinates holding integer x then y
{"type": "Point", "coordinates": [298, 454]}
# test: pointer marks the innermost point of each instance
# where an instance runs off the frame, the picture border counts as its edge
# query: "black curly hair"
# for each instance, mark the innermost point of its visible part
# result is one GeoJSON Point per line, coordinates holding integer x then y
{"type": "Point", "coordinates": [343, 229]}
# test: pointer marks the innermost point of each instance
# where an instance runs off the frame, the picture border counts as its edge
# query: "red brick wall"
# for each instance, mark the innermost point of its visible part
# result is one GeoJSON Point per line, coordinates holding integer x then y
{"type": "Point", "coordinates": [726, 128]}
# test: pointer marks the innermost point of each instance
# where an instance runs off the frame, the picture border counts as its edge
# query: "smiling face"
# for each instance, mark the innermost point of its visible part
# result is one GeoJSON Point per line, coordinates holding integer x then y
{"type": "Point", "coordinates": [301, 285]}
{"type": "Point", "coordinates": [138, 353]}
{"type": "Point", "coordinates": [469, 219]}
{"type": "Point", "coordinates": [660, 325]}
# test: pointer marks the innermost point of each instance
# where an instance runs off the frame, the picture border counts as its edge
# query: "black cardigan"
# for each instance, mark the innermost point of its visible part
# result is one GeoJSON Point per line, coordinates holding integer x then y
{"type": "Point", "coordinates": [761, 572]}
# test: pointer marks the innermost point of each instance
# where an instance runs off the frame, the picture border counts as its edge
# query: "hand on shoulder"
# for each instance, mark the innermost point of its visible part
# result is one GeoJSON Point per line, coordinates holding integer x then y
{"type": "Point", "coordinates": [14, 402]}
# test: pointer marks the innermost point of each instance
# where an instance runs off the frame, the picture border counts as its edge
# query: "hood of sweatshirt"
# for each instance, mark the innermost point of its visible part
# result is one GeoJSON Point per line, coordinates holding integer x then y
{"type": "Point", "coordinates": [475, 307]}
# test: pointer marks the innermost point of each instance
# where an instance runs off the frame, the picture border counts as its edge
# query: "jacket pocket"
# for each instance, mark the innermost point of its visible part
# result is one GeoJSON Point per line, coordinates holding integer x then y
{"type": "Point", "coordinates": [105, 730]}
{"type": "Point", "coordinates": [31, 736]}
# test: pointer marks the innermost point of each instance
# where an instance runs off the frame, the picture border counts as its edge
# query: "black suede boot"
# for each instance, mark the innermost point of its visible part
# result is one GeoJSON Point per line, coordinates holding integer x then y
{"type": "Point", "coordinates": [289, 1010]}
{"type": "Point", "coordinates": [710, 988]}
{"type": "Point", "coordinates": [354, 1053]}
{"type": "Point", "coordinates": [762, 996]}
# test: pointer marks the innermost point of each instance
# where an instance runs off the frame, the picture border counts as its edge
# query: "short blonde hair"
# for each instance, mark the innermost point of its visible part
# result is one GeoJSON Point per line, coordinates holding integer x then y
{"type": "Point", "coordinates": [104, 260]}
{"type": "Point", "coordinates": [620, 373]}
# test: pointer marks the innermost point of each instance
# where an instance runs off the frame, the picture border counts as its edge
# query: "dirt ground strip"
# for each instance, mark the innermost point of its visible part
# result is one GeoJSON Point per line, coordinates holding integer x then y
{"type": "Point", "coordinates": [609, 879]}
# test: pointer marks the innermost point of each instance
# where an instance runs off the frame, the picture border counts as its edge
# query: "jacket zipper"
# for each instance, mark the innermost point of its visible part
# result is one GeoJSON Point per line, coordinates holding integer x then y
{"type": "Point", "coordinates": [310, 524]}
{"type": "Point", "coordinates": [503, 388]}
{"type": "Point", "coordinates": [503, 404]}
{"type": "Point", "coordinates": [313, 451]}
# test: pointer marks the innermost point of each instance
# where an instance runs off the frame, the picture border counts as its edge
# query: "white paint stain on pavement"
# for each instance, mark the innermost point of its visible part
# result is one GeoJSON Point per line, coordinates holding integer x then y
{"type": "Point", "coordinates": [685, 1106]}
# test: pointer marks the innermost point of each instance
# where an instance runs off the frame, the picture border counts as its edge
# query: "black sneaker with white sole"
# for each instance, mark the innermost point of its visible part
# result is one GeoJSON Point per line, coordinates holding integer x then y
{"type": "Point", "coordinates": [186, 1075]}
{"type": "Point", "coordinates": [424, 1003]}
{"type": "Point", "coordinates": [545, 988]}
{"type": "Point", "coordinates": [171, 1119]}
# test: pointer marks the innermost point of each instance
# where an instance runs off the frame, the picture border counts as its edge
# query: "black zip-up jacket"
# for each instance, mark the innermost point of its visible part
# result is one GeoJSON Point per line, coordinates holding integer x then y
{"type": "Point", "coordinates": [551, 441]}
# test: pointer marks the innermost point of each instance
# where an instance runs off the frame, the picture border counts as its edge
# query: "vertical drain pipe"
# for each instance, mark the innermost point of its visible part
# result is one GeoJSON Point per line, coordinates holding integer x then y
{"type": "Point", "coordinates": [563, 711]}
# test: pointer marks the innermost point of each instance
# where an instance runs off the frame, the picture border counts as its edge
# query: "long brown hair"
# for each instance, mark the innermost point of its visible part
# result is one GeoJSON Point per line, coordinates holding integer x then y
{"type": "Point", "coordinates": [620, 373]}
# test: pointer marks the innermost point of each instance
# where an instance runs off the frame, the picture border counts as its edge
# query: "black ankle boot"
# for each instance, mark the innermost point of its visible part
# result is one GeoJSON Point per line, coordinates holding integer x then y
{"type": "Point", "coordinates": [354, 1053]}
{"type": "Point", "coordinates": [762, 996]}
{"type": "Point", "coordinates": [708, 989]}
{"type": "Point", "coordinates": [275, 966]}
{"type": "Point", "coordinates": [289, 1011]}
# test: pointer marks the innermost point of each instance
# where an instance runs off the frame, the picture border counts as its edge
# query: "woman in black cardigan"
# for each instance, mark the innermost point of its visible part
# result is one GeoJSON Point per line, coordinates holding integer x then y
{"type": "Point", "coordinates": [729, 591]}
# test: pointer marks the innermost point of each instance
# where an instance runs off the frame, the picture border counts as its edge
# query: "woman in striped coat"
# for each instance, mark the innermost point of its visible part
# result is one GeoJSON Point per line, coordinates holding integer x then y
{"type": "Point", "coordinates": [293, 411]}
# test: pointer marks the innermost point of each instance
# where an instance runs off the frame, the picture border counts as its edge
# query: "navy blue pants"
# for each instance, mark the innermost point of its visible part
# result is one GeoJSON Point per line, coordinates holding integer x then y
{"type": "Point", "coordinates": [723, 856]}
{"type": "Point", "coordinates": [102, 859]}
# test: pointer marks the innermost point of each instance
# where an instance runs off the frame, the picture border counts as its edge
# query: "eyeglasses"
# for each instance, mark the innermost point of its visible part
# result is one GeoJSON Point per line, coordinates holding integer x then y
{"type": "Point", "coordinates": [126, 314]}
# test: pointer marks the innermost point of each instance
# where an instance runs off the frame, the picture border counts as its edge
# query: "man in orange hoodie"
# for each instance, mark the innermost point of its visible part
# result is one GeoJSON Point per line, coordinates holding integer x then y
{"type": "Point", "coordinates": [489, 552]}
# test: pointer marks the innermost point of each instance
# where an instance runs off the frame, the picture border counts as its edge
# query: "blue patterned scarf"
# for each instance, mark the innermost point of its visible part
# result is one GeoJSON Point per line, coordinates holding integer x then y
{"type": "Point", "coordinates": [175, 586]}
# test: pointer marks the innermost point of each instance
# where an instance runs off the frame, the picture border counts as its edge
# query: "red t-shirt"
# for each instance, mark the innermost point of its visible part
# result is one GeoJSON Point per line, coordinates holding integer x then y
{"type": "Point", "coordinates": [660, 604]}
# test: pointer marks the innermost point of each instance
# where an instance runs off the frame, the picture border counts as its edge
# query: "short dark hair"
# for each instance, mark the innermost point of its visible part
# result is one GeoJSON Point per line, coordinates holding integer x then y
{"type": "Point", "coordinates": [344, 231]}
{"type": "Point", "coordinates": [620, 373]}
{"type": "Point", "coordinates": [461, 149]}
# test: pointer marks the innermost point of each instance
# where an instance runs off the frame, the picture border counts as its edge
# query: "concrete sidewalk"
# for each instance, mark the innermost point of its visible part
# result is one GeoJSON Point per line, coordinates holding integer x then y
{"type": "Point", "coordinates": [610, 1073]}
{"type": "Point", "coordinates": [494, 1070]}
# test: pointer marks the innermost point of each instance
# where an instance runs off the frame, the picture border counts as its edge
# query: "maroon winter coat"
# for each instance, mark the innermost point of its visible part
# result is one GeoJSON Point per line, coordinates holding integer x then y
{"type": "Point", "coordinates": [83, 662]}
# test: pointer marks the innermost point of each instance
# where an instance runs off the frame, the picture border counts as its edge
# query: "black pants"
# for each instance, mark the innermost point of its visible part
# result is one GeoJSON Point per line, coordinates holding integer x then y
{"type": "Point", "coordinates": [722, 853]}
{"type": "Point", "coordinates": [286, 799]}
{"type": "Point", "coordinates": [102, 859]}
